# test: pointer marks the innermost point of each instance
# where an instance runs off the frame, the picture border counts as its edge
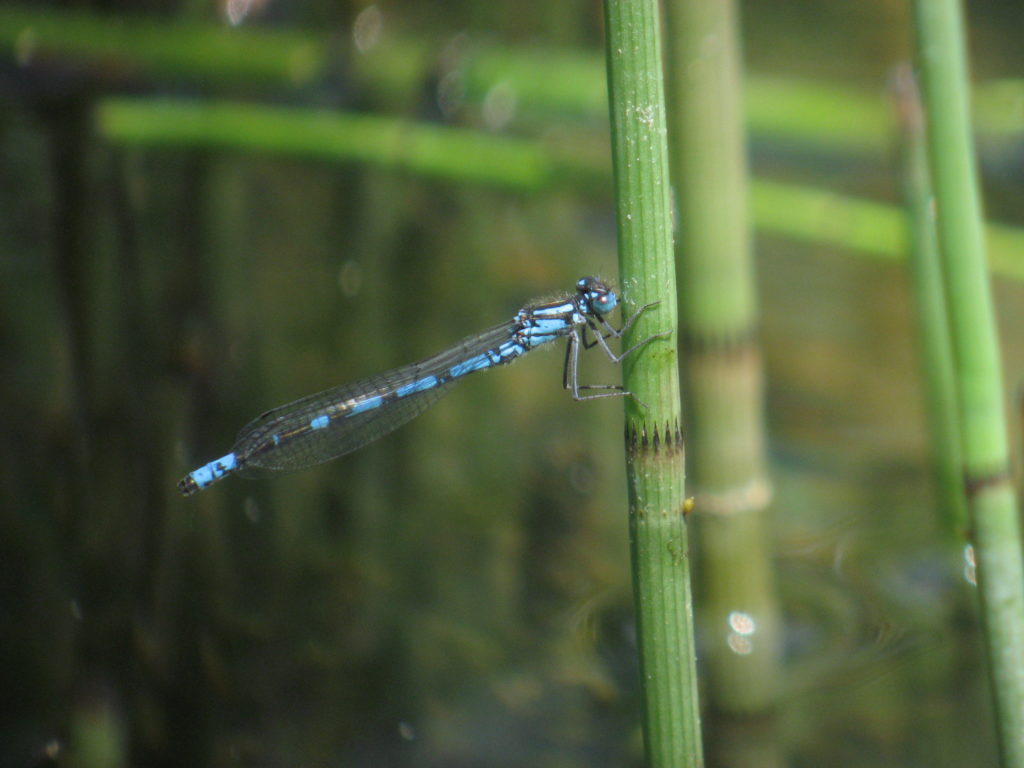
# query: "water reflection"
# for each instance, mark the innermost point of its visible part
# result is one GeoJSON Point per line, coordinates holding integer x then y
{"type": "Point", "coordinates": [367, 28]}
{"type": "Point", "coordinates": [970, 570]}
{"type": "Point", "coordinates": [740, 638]}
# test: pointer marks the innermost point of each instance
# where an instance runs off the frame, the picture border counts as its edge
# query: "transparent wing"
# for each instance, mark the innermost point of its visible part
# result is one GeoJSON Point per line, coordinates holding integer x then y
{"type": "Point", "coordinates": [340, 420]}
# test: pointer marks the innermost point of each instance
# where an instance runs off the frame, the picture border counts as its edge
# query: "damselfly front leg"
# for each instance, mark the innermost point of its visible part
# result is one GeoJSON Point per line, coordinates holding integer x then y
{"type": "Point", "coordinates": [602, 338]}
{"type": "Point", "coordinates": [603, 330]}
{"type": "Point", "coordinates": [570, 371]}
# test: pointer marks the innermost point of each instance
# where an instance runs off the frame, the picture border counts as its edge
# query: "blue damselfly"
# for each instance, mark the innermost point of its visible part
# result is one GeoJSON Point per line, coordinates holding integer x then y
{"type": "Point", "coordinates": [337, 421]}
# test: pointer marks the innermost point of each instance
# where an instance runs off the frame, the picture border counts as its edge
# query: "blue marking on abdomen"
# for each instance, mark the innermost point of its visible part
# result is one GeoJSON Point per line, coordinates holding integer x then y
{"type": "Point", "coordinates": [427, 382]}
{"type": "Point", "coordinates": [368, 404]}
{"type": "Point", "coordinates": [319, 422]}
{"type": "Point", "coordinates": [215, 470]}
{"type": "Point", "coordinates": [510, 350]}
{"type": "Point", "coordinates": [473, 364]}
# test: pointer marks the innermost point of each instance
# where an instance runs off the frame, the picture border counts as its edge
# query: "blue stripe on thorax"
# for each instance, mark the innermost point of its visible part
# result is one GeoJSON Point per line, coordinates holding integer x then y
{"type": "Point", "coordinates": [543, 330]}
{"type": "Point", "coordinates": [556, 310]}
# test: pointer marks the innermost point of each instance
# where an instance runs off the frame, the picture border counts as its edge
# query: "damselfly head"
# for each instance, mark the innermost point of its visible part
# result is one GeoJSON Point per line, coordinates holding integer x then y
{"type": "Point", "coordinates": [599, 297]}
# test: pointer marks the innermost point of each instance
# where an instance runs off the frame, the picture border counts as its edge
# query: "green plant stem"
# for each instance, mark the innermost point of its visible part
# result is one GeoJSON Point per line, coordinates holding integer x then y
{"type": "Point", "coordinates": [428, 150]}
{"type": "Point", "coordinates": [124, 47]}
{"type": "Point", "coordinates": [990, 494]}
{"type": "Point", "coordinates": [718, 315]}
{"type": "Point", "coordinates": [654, 446]}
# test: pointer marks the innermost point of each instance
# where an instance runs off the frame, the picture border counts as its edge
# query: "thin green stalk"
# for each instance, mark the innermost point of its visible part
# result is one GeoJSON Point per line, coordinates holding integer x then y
{"type": "Point", "coordinates": [123, 47]}
{"type": "Point", "coordinates": [718, 314]}
{"type": "Point", "coordinates": [322, 134]}
{"type": "Point", "coordinates": [991, 499]}
{"type": "Point", "coordinates": [930, 305]}
{"type": "Point", "coordinates": [654, 445]}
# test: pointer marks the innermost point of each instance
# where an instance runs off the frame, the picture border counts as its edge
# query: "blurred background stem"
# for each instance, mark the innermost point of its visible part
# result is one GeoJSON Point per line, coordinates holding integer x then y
{"type": "Point", "coordinates": [739, 622]}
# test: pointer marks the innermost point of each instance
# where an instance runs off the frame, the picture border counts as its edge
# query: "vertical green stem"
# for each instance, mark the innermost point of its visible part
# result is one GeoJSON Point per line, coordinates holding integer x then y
{"type": "Point", "coordinates": [718, 314]}
{"type": "Point", "coordinates": [654, 446]}
{"type": "Point", "coordinates": [990, 495]}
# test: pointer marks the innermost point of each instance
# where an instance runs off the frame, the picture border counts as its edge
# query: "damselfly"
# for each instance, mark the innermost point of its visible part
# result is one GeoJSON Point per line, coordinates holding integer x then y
{"type": "Point", "coordinates": [337, 421]}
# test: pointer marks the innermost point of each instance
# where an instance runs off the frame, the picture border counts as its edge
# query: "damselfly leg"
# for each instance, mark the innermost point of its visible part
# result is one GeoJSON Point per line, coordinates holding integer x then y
{"type": "Point", "coordinates": [603, 330]}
